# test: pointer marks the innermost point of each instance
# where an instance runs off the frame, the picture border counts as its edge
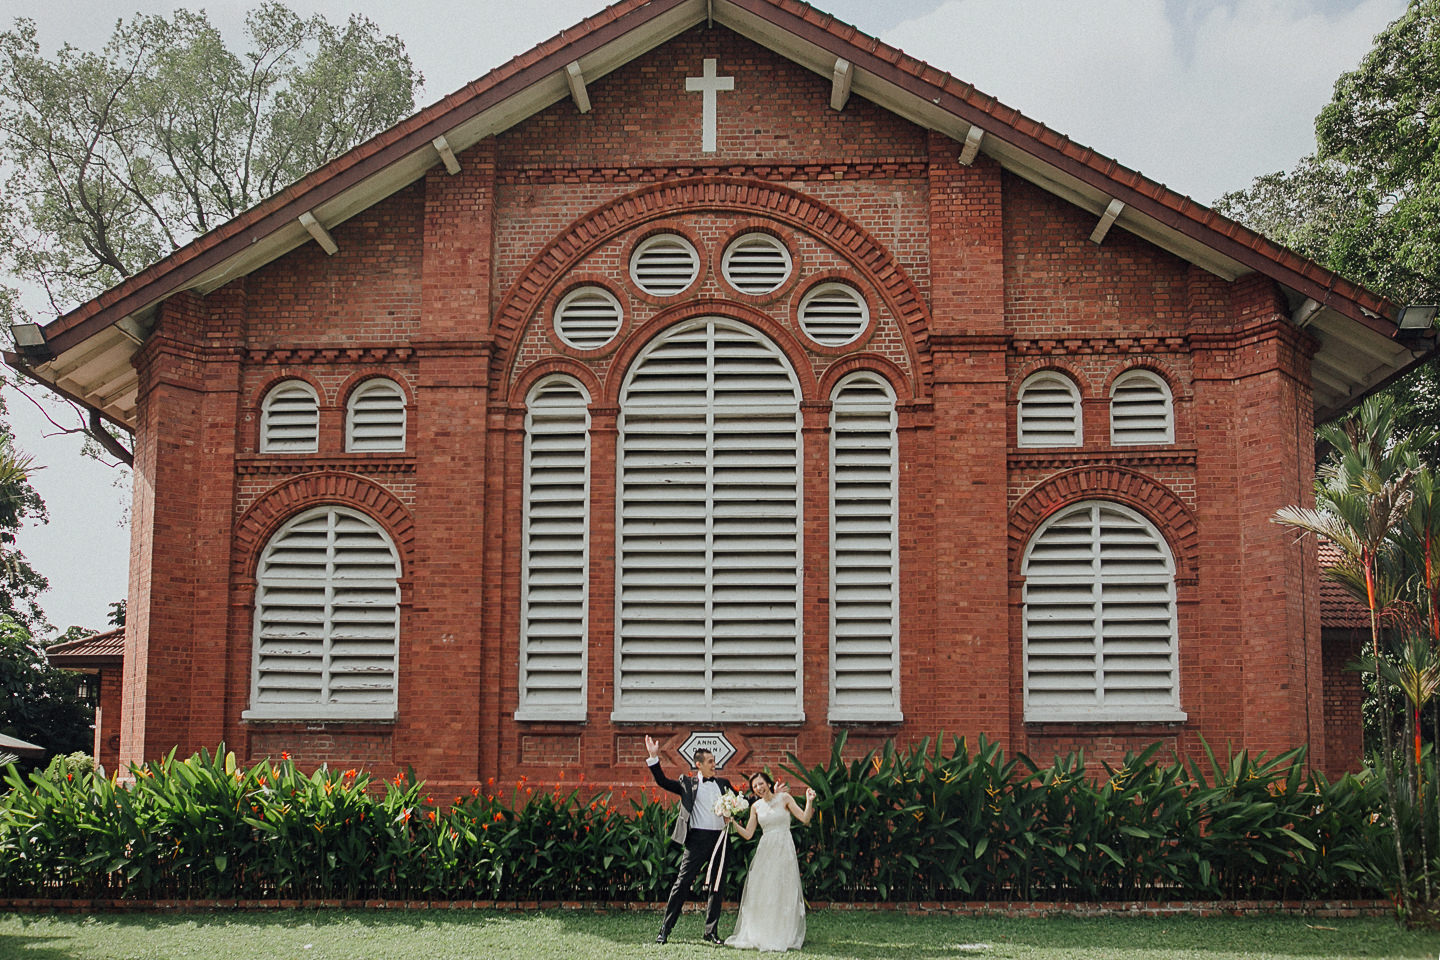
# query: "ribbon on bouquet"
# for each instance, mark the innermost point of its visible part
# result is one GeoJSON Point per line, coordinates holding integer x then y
{"type": "Point", "coordinates": [715, 869]}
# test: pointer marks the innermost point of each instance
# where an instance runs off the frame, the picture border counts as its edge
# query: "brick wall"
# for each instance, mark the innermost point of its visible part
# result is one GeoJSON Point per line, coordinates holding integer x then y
{"type": "Point", "coordinates": [973, 278]}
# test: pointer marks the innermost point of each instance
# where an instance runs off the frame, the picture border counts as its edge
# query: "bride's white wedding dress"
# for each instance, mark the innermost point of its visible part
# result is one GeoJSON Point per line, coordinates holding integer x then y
{"type": "Point", "coordinates": [772, 907]}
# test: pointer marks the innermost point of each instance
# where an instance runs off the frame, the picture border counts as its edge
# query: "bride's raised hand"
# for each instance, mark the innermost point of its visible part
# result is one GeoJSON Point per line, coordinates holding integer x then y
{"type": "Point", "coordinates": [809, 794]}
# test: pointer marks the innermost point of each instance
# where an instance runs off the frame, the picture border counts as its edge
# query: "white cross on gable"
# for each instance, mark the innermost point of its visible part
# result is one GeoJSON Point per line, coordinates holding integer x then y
{"type": "Point", "coordinates": [709, 85]}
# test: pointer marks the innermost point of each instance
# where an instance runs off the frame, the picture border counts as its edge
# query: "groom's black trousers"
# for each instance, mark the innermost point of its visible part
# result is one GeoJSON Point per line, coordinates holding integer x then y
{"type": "Point", "coordinates": [698, 846]}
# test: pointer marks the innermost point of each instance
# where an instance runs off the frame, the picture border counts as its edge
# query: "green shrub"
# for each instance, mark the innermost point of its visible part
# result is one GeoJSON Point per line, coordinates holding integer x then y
{"type": "Point", "coordinates": [933, 821]}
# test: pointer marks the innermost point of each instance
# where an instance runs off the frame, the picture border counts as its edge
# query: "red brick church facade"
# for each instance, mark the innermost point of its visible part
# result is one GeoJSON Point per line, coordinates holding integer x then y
{"type": "Point", "coordinates": [544, 421]}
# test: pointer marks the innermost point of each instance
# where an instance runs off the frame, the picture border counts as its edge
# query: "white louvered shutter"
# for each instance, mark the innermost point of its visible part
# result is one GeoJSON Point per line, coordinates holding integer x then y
{"type": "Point", "coordinates": [864, 567]}
{"type": "Point", "coordinates": [756, 263]}
{"type": "Point", "coordinates": [709, 529]}
{"type": "Point", "coordinates": [290, 419]}
{"type": "Point", "coordinates": [1140, 410]}
{"type": "Point", "coordinates": [375, 420]}
{"type": "Point", "coordinates": [1100, 641]}
{"type": "Point", "coordinates": [833, 314]}
{"type": "Point", "coordinates": [327, 620]}
{"type": "Point", "coordinates": [556, 563]}
{"type": "Point", "coordinates": [664, 265]}
{"type": "Point", "coordinates": [588, 318]}
{"type": "Point", "coordinates": [1049, 412]}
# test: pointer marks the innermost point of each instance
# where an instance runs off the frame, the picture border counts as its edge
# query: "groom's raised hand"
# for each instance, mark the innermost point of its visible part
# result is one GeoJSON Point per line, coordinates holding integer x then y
{"type": "Point", "coordinates": [653, 746]}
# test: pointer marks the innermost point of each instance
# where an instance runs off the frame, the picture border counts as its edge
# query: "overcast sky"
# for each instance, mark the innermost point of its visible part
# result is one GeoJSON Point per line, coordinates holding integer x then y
{"type": "Point", "coordinates": [1203, 96]}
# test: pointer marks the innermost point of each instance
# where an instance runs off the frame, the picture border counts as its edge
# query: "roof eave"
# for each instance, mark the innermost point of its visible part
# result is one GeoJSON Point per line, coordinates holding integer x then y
{"type": "Point", "coordinates": [530, 83]}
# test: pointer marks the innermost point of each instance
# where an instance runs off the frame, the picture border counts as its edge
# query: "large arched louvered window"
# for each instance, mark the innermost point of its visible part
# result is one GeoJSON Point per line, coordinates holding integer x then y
{"type": "Point", "coordinates": [709, 547]}
{"type": "Point", "coordinates": [1049, 411]}
{"type": "Point", "coordinates": [864, 565]}
{"type": "Point", "coordinates": [1100, 639]}
{"type": "Point", "coordinates": [1140, 409]}
{"type": "Point", "coordinates": [556, 563]}
{"type": "Point", "coordinates": [290, 419]}
{"type": "Point", "coordinates": [375, 417]}
{"type": "Point", "coordinates": [327, 620]}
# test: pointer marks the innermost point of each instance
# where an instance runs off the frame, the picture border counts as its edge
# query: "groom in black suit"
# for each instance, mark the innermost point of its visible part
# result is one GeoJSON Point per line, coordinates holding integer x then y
{"type": "Point", "coordinates": [700, 831]}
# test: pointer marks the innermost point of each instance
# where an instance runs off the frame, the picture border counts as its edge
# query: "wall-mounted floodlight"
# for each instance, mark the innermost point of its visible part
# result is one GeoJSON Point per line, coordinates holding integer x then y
{"type": "Point", "coordinates": [1418, 316]}
{"type": "Point", "coordinates": [30, 341]}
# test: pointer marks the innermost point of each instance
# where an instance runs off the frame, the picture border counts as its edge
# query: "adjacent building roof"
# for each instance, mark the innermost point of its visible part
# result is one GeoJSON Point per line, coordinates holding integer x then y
{"type": "Point", "coordinates": [102, 650]}
{"type": "Point", "coordinates": [87, 353]}
{"type": "Point", "coordinates": [20, 747]}
{"type": "Point", "coordinates": [1338, 607]}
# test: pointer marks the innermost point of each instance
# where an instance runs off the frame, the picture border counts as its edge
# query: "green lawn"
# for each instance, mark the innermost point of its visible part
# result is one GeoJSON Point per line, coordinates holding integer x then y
{"type": "Point", "coordinates": [436, 935]}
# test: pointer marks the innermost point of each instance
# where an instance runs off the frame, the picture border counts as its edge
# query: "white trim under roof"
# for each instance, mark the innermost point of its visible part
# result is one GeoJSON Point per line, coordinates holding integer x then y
{"type": "Point", "coordinates": [593, 54]}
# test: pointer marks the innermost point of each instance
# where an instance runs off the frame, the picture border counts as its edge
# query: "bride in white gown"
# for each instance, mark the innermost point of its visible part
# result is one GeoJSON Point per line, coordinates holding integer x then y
{"type": "Point", "coordinates": [772, 905]}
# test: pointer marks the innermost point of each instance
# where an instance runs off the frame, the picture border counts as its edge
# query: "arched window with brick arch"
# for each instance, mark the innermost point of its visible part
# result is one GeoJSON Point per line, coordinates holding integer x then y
{"type": "Point", "coordinates": [327, 620]}
{"type": "Point", "coordinates": [1141, 411]}
{"type": "Point", "coordinates": [1100, 623]}
{"type": "Point", "coordinates": [1048, 411]}
{"type": "Point", "coordinates": [290, 418]}
{"type": "Point", "coordinates": [375, 417]}
{"type": "Point", "coordinates": [555, 567]}
{"type": "Point", "coordinates": [864, 560]}
{"type": "Point", "coordinates": [708, 618]}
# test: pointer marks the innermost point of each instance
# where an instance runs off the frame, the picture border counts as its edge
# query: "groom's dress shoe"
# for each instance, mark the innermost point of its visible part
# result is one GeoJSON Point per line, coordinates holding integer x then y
{"type": "Point", "coordinates": [711, 938]}
{"type": "Point", "coordinates": [662, 939]}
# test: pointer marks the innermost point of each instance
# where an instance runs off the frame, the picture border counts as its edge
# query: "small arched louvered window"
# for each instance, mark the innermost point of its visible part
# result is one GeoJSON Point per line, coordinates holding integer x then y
{"type": "Point", "coordinates": [664, 265]}
{"type": "Point", "coordinates": [756, 264]}
{"type": "Point", "coordinates": [555, 568]}
{"type": "Point", "coordinates": [864, 560]}
{"type": "Point", "coordinates": [375, 417]}
{"type": "Point", "coordinates": [588, 317]}
{"type": "Point", "coordinates": [1141, 410]}
{"type": "Point", "coordinates": [833, 314]}
{"type": "Point", "coordinates": [290, 419]}
{"type": "Point", "coordinates": [327, 620]}
{"type": "Point", "coordinates": [1100, 636]}
{"type": "Point", "coordinates": [708, 600]}
{"type": "Point", "coordinates": [1048, 412]}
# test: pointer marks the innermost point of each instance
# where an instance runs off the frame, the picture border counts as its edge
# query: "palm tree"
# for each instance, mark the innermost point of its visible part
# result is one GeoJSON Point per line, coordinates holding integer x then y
{"type": "Point", "coordinates": [1363, 494]}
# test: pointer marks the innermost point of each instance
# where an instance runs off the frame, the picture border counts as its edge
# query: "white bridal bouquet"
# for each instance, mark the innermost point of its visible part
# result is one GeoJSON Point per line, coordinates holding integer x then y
{"type": "Point", "coordinates": [731, 805]}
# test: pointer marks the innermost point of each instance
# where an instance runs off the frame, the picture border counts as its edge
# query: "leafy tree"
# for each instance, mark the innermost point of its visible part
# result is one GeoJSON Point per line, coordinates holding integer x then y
{"type": "Point", "coordinates": [120, 156]}
{"type": "Point", "coordinates": [1376, 501]}
{"type": "Point", "coordinates": [1367, 205]}
{"type": "Point", "coordinates": [38, 703]}
{"type": "Point", "coordinates": [20, 584]}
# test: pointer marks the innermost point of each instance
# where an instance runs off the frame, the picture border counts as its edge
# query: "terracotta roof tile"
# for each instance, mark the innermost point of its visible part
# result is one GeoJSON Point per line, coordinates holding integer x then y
{"type": "Point", "coordinates": [101, 649]}
{"type": "Point", "coordinates": [1033, 137]}
{"type": "Point", "coordinates": [1338, 608]}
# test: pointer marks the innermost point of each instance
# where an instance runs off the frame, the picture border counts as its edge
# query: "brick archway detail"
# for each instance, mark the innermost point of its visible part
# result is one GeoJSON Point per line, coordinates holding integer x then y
{"type": "Point", "coordinates": [753, 198]}
{"type": "Point", "coordinates": [1127, 487]}
{"type": "Point", "coordinates": [279, 504]}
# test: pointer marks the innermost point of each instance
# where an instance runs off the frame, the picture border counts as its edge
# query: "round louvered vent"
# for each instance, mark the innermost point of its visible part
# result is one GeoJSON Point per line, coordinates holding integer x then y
{"type": "Point", "coordinates": [833, 314]}
{"type": "Point", "coordinates": [588, 317]}
{"type": "Point", "coordinates": [756, 263]}
{"type": "Point", "coordinates": [664, 265]}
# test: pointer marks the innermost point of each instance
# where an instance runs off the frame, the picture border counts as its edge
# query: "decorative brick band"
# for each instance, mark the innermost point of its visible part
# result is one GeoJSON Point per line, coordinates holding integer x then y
{"type": "Point", "coordinates": [747, 197]}
{"type": "Point", "coordinates": [378, 354]}
{"type": "Point", "coordinates": [280, 503]}
{"type": "Point", "coordinates": [1114, 483]}
{"type": "Point", "coordinates": [1105, 345]}
{"type": "Point", "coordinates": [1030, 459]}
{"type": "Point", "coordinates": [883, 170]}
{"type": "Point", "coordinates": [261, 465]}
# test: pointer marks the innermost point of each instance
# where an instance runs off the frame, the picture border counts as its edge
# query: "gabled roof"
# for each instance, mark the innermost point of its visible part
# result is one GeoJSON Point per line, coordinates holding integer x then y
{"type": "Point", "coordinates": [1338, 607]}
{"type": "Point", "coordinates": [92, 346]}
{"type": "Point", "coordinates": [101, 650]}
